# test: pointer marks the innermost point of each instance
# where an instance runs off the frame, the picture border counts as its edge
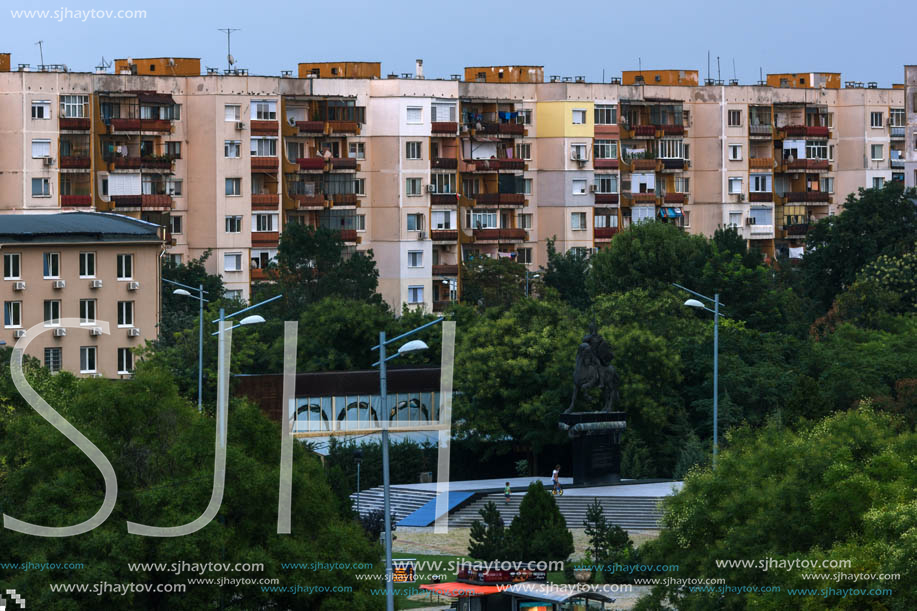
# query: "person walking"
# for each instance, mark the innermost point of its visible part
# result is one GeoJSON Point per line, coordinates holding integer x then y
{"type": "Point", "coordinates": [555, 477]}
{"type": "Point", "coordinates": [506, 492]}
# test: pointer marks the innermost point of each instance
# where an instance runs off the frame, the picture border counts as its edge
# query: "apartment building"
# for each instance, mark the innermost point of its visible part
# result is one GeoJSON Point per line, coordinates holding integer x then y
{"type": "Point", "coordinates": [431, 172]}
{"type": "Point", "coordinates": [910, 98]}
{"type": "Point", "coordinates": [82, 288]}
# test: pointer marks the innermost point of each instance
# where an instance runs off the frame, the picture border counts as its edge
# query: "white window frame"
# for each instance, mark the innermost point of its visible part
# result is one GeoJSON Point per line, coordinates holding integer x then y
{"type": "Point", "coordinates": [12, 307]}
{"type": "Point", "coordinates": [413, 149]}
{"type": "Point", "coordinates": [735, 218]}
{"type": "Point", "coordinates": [264, 222]}
{"type": "Point", "coordinates": [44, 106]}
{"type": "Point", "coordinates": [232, 146]}
{"type": "Point", "coordinates": [735, 180]}
{"type": "Point", "coordinates": [50, 260]}
{"type": "Point", "coordinates": [12, 256]}
{"type": "Point", "coordinates": [360, 222]}
{"type": "Point", "coordinates": [734, 112]}
{"type": "Point", "coordinates": [528, 185]}
{"type": "Point", "coordinates": [232, 112]}
{"type": "Point", "coordinates": [418, 221]}
{"type": "Point", "coordinates": [413, 187]}
{"type": "Point", "coordinates": [579, 151]}
{"type": "Point", "coordinates": [44, 148]}
{"type": "Point", "coordinates": [418, 111]}
{"type": "Point", "coordinates": [441, 220]}
{"type": "Point", "coordinates": [85, 365]}
{"type": "Point", "coordinates": [605, 149]}
{"type": "Point", "coordinates": [125, 314]}
{"type": "Point", "coordinates": [73, 106]}
{"type": "Point", "coordinates": [579, 113]}
{"type": "Point", "coordinates": [88, 310]}
{"type": "Point", "coordinates": [580, 186]}
{"type": "Point", "coordinates": [880, 180]}
{"type": "Point", "coordinates": [45, 187]}
{"type": "Point", "coordinates": [49, 361]}
{"type": "Point", "coordinates": [234, 181]}
{"type": "Point", "coordinates": [264, 110]}
{"type": "Point", "coordinates": [415, 258]}
{"type": "Point", "coordinates": [578, 221]}
{"type": "Point", "coordinates": [612, 179]}
{"type": "Point", "coordinates": [52, 320]}
{"type": "Point", "coordinates": [876, 119]}
{"type": "Point", "coordinates": [357, 150]}
{"type": "Point", "coordinates": [232, 256]}
{"type": "Point", "coordinates": [413, 293]}
{"type": "Point", "coordinates": [263, 146]}
{"type": "Point", "coordinates": [125, 361]}
{"type": "Point", "coordinates": [524, 220]}
{"type": "Point", "coordinates": [87, 264]}
{"type": "Point", "coordinates": [125, 263]}
{"type": "Point", "coordinates": [872, 152]}
{"type": "Point", "coordinates": [523, 150]}
{"type": "Point", "coordinates": [231, 222]}
{"type": "Point", "coordinates": [359, 186]}
{"type": "Point", "coordinates": [826, 184]}
{"type": "Point", "coordinates": [735, 152]}
{"type": "Point", "coordinates": [603, 109]}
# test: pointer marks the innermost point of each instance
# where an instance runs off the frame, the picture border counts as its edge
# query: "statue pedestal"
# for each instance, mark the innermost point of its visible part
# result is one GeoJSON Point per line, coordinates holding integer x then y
{"type": "Point", "coordinates": [596, 438]}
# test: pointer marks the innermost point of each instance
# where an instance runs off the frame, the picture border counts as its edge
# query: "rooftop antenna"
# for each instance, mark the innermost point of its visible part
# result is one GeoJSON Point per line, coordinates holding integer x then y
{"type": "Point", "coordinates": [230, 60]}
{"type": "Point", "coordinates": [718, 77]}
{"type": "Point", "coordinates": [734, 77]}
{"type": "Point", "coordinates": [41, 52]}
{"type": "Point", "coordinates": [708, 67]}
{"type": "Point", "coordinates": [103, 65]}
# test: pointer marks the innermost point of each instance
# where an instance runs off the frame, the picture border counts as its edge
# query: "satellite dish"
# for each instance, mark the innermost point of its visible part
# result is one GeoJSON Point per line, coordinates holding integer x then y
{"type": "Point", "coordinates": [231, 59]}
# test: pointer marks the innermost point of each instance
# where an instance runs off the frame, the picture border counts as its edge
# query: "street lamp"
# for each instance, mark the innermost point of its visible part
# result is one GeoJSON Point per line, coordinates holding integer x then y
{"type": "Point", "coordinates": [411, 346]}
{"type": "Point", "coordinates": [358, 458]}
{"type": "Point", "coordinates": [200, 334]}
{"type": "Point", "coordinates": [694, 303]}
{"type": "Point", "coordinates": [528, 275]}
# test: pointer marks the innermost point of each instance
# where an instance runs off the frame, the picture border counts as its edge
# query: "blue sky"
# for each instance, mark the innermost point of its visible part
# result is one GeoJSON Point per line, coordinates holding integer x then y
{"type": "Point", "coordinates": [865, 41]}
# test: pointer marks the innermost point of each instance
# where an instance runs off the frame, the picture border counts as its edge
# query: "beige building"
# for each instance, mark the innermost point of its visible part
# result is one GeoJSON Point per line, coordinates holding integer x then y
{"type": "Point", "coordinates": [82, 288]}
{"type": "Point", "coordinates": [428, 172]}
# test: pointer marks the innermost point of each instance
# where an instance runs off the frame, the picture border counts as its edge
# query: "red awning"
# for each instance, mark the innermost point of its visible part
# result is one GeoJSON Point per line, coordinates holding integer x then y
{"type": "Point", "coordinates": [458, 590]}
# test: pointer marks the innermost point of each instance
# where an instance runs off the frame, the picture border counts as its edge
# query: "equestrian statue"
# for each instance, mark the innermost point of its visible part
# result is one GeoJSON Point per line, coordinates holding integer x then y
{"type": "Point", "coordinates": [594, 370]}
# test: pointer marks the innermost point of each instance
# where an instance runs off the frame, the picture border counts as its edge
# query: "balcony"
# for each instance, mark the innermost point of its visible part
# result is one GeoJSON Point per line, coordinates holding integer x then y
{"type": "Point", "coordinates": [156, 202]}
{"type": "Point", "coordinates": [500, 199]}
{"type": "Point", "coordinates": [155, 125]}
{"type": "Point", "coordinates": [675, 198]}
{"type": "Point", "coordinates": [343, 163]}
{"type": "Point", "coordinates": [126, 201]}
{"type": "Point", "coordinates": [265, 199]}
{"type": "Point", "coordinates": [75, 163]}
{"type": "Point", "coordinates": [500, 235]}
{"type": "Point", "coordinates": [896, 132]}
{"type": "Point", "coordinates": [311, 127]}
{"type": "Point", "coordinates": [761, 163]}
{"type": "Point", "coordinates": [672, 130]}
{"type": "Point", "coordinates": [761, 131]}
{"type": "Point", "coordinates": [310, 201]}
{"type": "Point", "coordinates": [75, 201]}
{"type": "Point", "coordinates": [644, 131]}
{"type": "Point", "coordinates": [640, 198]}
{"type": "Point", "coordinates": [511, 129]}
{"type": "Point", "coordinates": [605, 233]}
{"type": "Point", "coordinates": [606, 198]}
{"type": "Point", "coordinates": [349, 235]}
{"type": "Point", "coordinates": [443, 199]}
{"type": "Point", "coordinates": [498, 165]}
{"type": "Point", "coordinates": [449, 128]}
{"type": "Point", "coordinates": [265, 163]}
{"type": "Point", "coordinates": [124, 125]}
{"type": "Point", "coordinates": [344, 199]}
{"type": "Point", "coordinates": [444, 163]}
{"type": "Point", "coordinates": [444, 235]}
{"type": "Point", "coordinates": [127, 163]}
{"type": "Point", "coordinates": [343, 127]}
{"type": "Point", "coordinates": [809, 197]}
{"type": "Point", "coordinates": [156, 163]}
{"type": "Point", "coordinates": [441, 306]}
{"type": "Point", "coordinates": [605, 164]}
{"type": "Point", "coordinates": [760, 197]}
{"type": "Point", "coordinates": [806, 131]}
{"type": "Point", "coordinates": [311, 163]}
{"type": "Point", "coordinates": [644, 165]}
{"type": "Point", "coordinates": [265, 238]}
{"type": "Point", "coordinates": [895, 164]}
{"type": "Point", "coordinates": [445, 270]}
{"type": "Point", "coordinates": [265, 127]}
{"type": "Point", "coordinates": [74, 124]}
{"type": "Point", "coordinates": [671, 165]}
{"type": "Point", "coordinates": [798, 229]}
{"type": "Point", "coordinates": [258, 273]}
{"type": "Point", "coordinates": [809, 165]}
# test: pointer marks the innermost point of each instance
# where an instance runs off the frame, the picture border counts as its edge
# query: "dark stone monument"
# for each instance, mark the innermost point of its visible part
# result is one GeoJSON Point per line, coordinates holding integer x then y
{"type": "Point", "coordinates": [595, 435]}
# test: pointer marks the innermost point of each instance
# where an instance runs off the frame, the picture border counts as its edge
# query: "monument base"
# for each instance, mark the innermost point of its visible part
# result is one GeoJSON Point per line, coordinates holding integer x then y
{"type": "Point", "coordinates": [596, 438]}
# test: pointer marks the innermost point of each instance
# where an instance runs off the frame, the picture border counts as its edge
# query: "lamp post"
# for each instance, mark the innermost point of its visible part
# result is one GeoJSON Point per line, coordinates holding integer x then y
{"type": "Point", "coordinates": [694, 303]}
{"type": "Point", "coordinates": [358, 457]}
{"type": "Point", "coordinates": [528, 275]}
{"type": "Point", "coordinates": [411, 346]}
{"type": "Point", "coordinates": [200, 334]}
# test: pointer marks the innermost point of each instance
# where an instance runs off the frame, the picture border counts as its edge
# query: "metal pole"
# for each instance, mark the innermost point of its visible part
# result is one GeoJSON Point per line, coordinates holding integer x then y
{"type": "Point", "coordinates": [358, 490]}
{"type": "Point", "coordinates": [200, 348]}
{"type": "Point", "coordinates": [716, 353]}
{"type": "Point", "coordinates": [221, 417]}
{"type": "Point", "coordinates": [389, 586]}
{"type": "Point", "coordinates": [526, 283]}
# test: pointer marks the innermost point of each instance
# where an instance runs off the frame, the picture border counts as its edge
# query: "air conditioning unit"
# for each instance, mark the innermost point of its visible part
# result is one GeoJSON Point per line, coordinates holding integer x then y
{"type": "Point", "coordinates": [240, 125]}
{"type": "Point", "coordinates": [19, 333]}
{"type": "Point", "coordinates": [95, 375]}
{"type": "Point", "coordinates": [95, 284]}
{"type": "Point", "coordinates": [133, 332]}
{"type": "Point", "coordinates": [431, 188]}
{"type": "Point", "coordinates": [740, 197]}
{"type": "Point", "coordinates": [59, 332]}
{"type": "Point", "coordinates": [48, 161]}
{"type": "Point", "coordinates": [95, 331]}
{"type": "Point", "coordinates": [421, 235]}
{"type": "Point", "coordinates": [750, 221]}
{"type": "Point", "coordinates": [19, 286]}
{"type": "Point", "coordinates": [592, 188]}
{"type": "Point", "coordinates": [59, 284]}
{"type": "Point", "coordinates": [133, 286]}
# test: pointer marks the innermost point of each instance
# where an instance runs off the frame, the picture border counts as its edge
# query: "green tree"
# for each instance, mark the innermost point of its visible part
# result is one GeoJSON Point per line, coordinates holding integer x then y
{"type": "Point", "coordinates": [568, 274]}
{"type": "Point", "coordinates": [488, 538]}
{"type": "Point", "coordinates": [490, 282]}
{"type": "Point", "coordinates": [179, 312]}
{"type": "Point", "coordinates": [539, 531]}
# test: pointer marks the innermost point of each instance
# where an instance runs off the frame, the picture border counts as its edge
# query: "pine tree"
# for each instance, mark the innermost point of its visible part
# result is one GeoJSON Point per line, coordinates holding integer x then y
{"type": "Point", "coordinates": [487, 538]}
{"type": "Point", "coordinates": [539, 532]}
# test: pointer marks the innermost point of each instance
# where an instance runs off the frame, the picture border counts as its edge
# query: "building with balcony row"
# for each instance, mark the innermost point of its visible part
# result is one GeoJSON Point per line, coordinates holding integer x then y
{"type": "Point", "coordinates": [429, 172]}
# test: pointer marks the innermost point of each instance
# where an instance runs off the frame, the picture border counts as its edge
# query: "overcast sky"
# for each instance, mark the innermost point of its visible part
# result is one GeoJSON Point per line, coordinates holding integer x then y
{"type": "Point", "coordinates": [864, 40]}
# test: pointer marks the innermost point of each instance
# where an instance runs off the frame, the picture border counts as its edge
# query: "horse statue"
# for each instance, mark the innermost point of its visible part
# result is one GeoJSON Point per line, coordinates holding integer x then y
{"type": "Point", "coordinates": [594, 370]}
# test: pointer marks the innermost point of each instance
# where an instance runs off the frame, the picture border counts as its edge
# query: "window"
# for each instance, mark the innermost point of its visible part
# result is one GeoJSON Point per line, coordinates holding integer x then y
{"type": "Point", "coordinates": [360, 222]}
{"type": "Point", "coordinates": [175, 224]}
{"type": "Point", "coordinates": [52, 359]}
{"type": "Point", "coordinates": [826, 184]}
{"type": "Point", "coordinates": [682, 184]}
{"type": "Point", "coordinates": [87, 311]}
{"type": "Point", "coordinates": [896, 117]}
{"type": "Point", "coordinates": [12, 313]}
{"type": "Point", "coordinates": [760, 183]}
{"type": "Point", "coordinates": [412, 186]}
{"type": "Point", "coordinates": [264, 147]}
{"type": "Point", "coordinates": [524, 117]}
{"type": "Point", "coordinates": [87, 359]}
{"type": "Point", "coordinates": [264, 222]}
{"type": "Point", "coordinates": [877, 182]}
{"type": "Point", "coordinates": [486, 219]}
{"type": "Point", "coordinates": [233, 295]}
{"type": "Point", "coordinates": [41, 187]}
{"type": "Point", "coordinates": [415, 294]}
{"type": "Point", "coordinates": [125, 267]}
{"type": "Point", "coordinates": [232, 262]}
{"type": "Point", "coordinates": [817, 149]}
{"type": "Point", "coordinates": [264, 110]}
{"type": "Point", "coordinates": [41, 148]}
{"type": "Point", "coordinates": [444, 183]}
{"type": "Point", "coordinates": [41, 109]}
{"type": "Point", "coordinates": [877, 151]}
{"type": "Point", "coordinates": [172, 113]}
{"type": "Point", "coordinates": [359, 186]}
{"type": "Point", "coordinates": [735, 185]}
{"type": "Point", "coordinates": [735, 152]}
{"type": "Point", "coordinates": [608, 219]}
{"type": "Point", "coordinates": [579, 187]}
{"type": "Point", "coordinates": [52, 312]}
{"type": "Point", "coordinates": [579, 152]}
{"type": "Point", "coordinates": [527, 186]}
{"type": "Point", "coordinates": [87, 265]}
{"type": "Point", "coordinates": [233, 186]}
{"type": "Point", "coordinates": [523, 150]}
{"type": "Point", "coordinates": [606, 114]}
{"type": "Point", "coordinates": [415, 114]}
{"type": "Point", "coordinates": [412, 150]}
{"type": "Point", "coordinates": [577, 221]}
{"type": "Point", "coordinates": [11, 266]}
{"type": "Point", "coordinates": [579, 116]}
{"type": "Point", "coordinates": [105, 187]}
{"type": "Point", "coordinates": [606, 183]}
{"type": "Point", "coordinates": [415, 258]}
{"type": "Point", "coordinates": [525, 221]}
{"type": "Point", "coordinates": [581, 252]}
{"type": "Point", "coordinates": [875, 119]}
{"type": "Point", "coordinates": [125, 360]}
{"type": "Point", "coordinates": [74, 106]}
{"type": "Point", "coordinates": [51, 264]}
{"type": "Point", "coordinates": [174, 259]}
{"type": "Point", "coordinates": [232, 149]}
{"type": "Point", "coordinates": [442, 113]}
{"type": "Point", "coordinates": [233, 224]}
{"type": "Point", "coordinates": [735, 219]}
{"type": "Point", "coordinates": [524, 255]}
{"type": "Point", "coordinates": [173, 150]}
{"type": "Point", "coordinates": [606, 149]}
{"type": "Point", "coordinates": [441, 219]}
{"type": "Point", "coordinates": [415, 221]}
{"type": "Point", "coordinates": [125, 313]}
{"type": "Point", "coordinates": [670, 148]}
{"type": "Point", "coordinates": [687, 151]}
{"type": "Point", "coordinates": [358, 150]}
{"type": "Point", "coordinates": [761, 216]}
{"type": "Point", "coordinates": [734, 118]}
{"type": "Point", "coordinates": [174, 187]}
{"type": "Point", "coordinates": [233, 112]}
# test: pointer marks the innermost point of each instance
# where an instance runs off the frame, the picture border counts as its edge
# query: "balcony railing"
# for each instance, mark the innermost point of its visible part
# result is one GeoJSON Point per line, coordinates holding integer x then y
{"type": "Point", "coordinates": [896, 164]}
{"type": "Point", "coordinates": [896, 131]}
{"type": "Point", "coordinates": [265, 163]}
{"type": "Point", "coordinates": [441, 306]}
{"type": "Point", "coordinates": [265, 199]}
{"type": "Point", "coordinates": [265, 238]}
{"type": "Point", "coordinates": [445, 270]}
{"type": "Point", "coordinates": [673, 164]}
{"type": "Point", "coordinates": [75, 201]}
{"type": "Point", "coordinates": [444, 235]}
{"type": "Point", "coordinates": [444, 163]}
{"type": "Point", "coordinates": [344, 163]}
{"type": "Point", "coordinates": [605, 164]}
{"type": "Point", "coordinates": [265, 127]}
{"type": "Point", "coordinates": [642, 198]}
{"type": "Point", "coordinates": [806, 131]}
{"type": "Point", "coordinates": [760, 196]}
{"type": "Point", "coordinates": [344, 199]}
{"type": "Point", "coordinates": [674, 198]}
{"type": "Point", "coordinates": [807, 196]}
{"type": "Point", "coordinates": [444, 127]}
{"type": "Point", "coordinates": [343, 127]}
{"type": "Point", "coordinates": [644, 131]}
{"type": "Point", "coordinates": [500, 234]}
{"type": "Point", "coordinates": [500, 199]}
{"type": "Point", "coordinates": [127, 201]}
{"type": "Point", "coordinates": [258, 273]}
{"type": "Point", "coordinates": [644, 165]}
{"type": "Point", "coordinates": [316, 200]}
{"type": "Point", "coordinates": [75, 124]}
{"type": "Point", "coordinates": [673, 130]}
{"type": "Point", "coordinates": [155, 125]}
{"type": "Point", "coordinates": [605, 233]}
{"type": "Point", "coordinates": [156, 163]}
{"type": "Point", "coordinates": [124, 125]}
{"type": "Point", "coordinates": [75, 163]}
{"type": "Point", "coordinates": [761, 163]}
{"type": "Point", "coordinates": [443, 199]}
{"type": "Point", "coordinates": [127, 163]}
{"type": "Point", "coordinates": [761, 131]}
{"type": "Point", "coordinates": [796, 229]}
{"type": "Point", "coordinates": [808, 164]}
{"type": "Point", "coordinates": [349, 235]}
{"type": "Point", "coordinates": [156, 202]}
{"type": "Point", "coordinates": [606, 198]}
{"type": "Point", "coordinates": [311, 127]}
{"type": "Point", "coordinates": [311, 163]}
{"type": "Point", "coordinates": [512, 129]}
{"type": "Point", "coordinates": [493, 165]}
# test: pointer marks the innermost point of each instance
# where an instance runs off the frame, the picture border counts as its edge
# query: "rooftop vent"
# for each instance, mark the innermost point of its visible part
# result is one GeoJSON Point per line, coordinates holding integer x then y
{"type": "Point", "coordinates": [24, 68]}
{"type": "Point", "coordinates": [709, 82]}
{"type": "Point", "coordinates": [392, 75]}
{"type": "Point", "coordinates": [580, 79]}
{"type": "Point", "coordinates": [733, 81]}
{"type": "Point", "coordinates": [568, 79]}
{"type": "Point", "coordinates": [407, 75]}
{"type": "Point", "coordinates": [286, 74]}
{"type": "Point", "coordinates": [872, 85]}
{"type": "Point", "coordinates": [211, 70]}
{"type": "Point", "coordinates": [554, 78]}
{"type": "Point", "coordinates": [615, 80]}
{"type": "Point", "coordinates": [455, 77]}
